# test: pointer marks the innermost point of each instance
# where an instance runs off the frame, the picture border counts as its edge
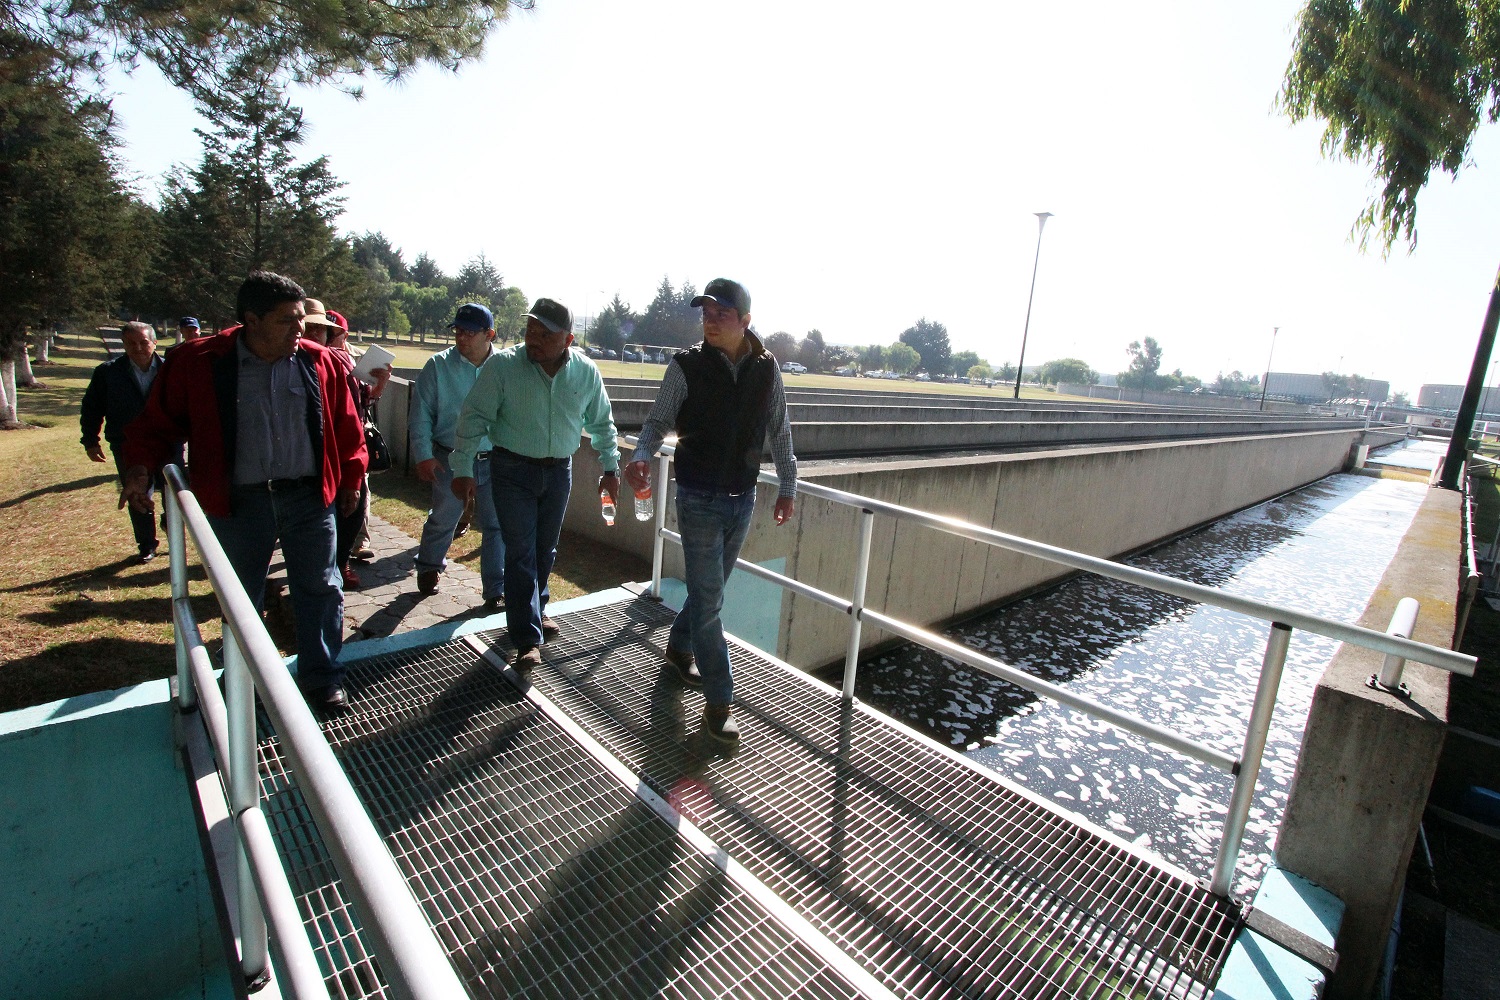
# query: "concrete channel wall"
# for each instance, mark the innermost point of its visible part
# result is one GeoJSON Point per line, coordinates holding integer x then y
{"type": "Point", "coordinates": [1105, 501]}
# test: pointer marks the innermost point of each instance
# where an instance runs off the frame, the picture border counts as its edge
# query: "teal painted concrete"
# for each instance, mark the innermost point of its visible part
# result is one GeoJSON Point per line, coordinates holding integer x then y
{"type": "Point", "coordinates": [752, 606]}
{"type": "Point", "coordinates": [104, 892]}
{"type": "Point", "coordinates": [1260, 969]}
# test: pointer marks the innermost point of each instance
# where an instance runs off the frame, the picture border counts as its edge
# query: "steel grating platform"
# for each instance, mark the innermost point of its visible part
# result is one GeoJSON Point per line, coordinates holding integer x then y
{"type": "Point", "coordinates": [546, 876]}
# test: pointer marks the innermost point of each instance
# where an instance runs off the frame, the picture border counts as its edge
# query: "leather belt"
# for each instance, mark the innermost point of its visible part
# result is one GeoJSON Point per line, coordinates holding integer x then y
{"type": "Point", "coordinates": [280, 485]}
{"type": "Point", "coordinates": [545, 463]}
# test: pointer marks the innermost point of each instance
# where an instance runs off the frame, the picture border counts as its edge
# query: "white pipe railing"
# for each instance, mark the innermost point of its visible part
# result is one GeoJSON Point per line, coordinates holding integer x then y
{"type": "Point", "coordinates": [413, 962]}
{"type": "Point", "coordinates": [1245, 767]}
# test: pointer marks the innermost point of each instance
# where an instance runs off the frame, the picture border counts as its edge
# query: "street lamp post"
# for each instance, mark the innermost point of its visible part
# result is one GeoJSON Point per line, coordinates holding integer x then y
{"type": "Point", "coordinates": [1267, 380]}
{"type": "Point", "coordinates": [1041, 223]}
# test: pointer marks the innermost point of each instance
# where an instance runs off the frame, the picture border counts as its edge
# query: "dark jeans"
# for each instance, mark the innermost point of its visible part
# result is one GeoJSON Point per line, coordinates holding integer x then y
{"type": "Point", "coordinates": [350, 528]}
{"type": "Point", "coordinates": [713, 528]}
{"type": "Point", "coordinates": [305, 527]}
{"type": "Point", "coordinates": [530, 501]}
{"type": "Point", "coordinates": [143, 525]}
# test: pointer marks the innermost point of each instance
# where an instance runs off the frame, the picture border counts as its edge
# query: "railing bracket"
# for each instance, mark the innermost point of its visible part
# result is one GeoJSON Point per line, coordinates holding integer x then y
{"type": "Point", "coordinates": [1399, 691]}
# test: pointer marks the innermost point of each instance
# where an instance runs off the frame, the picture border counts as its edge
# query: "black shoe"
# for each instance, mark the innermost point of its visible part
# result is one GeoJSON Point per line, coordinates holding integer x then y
{"type": "Point", "coordinates": [427, 581]}
{"type": "Point", "coordinates": [146, 556]}
{"type": "Point", "coordinates": [330, 699]}
{"type": "Point", "coordinates": [550, 629]}
{"type": "Point", "coordinates": [687, 670]}
{"type": "Point", "coordinates": [493, 605]}
{"type": "Point", "coordinates": [720, 726]}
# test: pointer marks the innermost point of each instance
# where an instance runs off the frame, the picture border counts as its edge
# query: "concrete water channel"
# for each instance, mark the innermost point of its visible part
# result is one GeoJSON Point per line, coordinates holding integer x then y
{"type": "Point", "coordinates": [1321, 549]}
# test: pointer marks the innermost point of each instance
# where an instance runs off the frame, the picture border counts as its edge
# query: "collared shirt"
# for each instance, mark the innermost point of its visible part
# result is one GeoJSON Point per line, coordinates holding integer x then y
{"type": "Point", "coordinates": [516, 405]}
{"type": "Point", "coordinates": [145, 378]}
{"type": "Point", "coordinates": [674, 391]}
{"type": "Point", "coordinates": [273, 440]}
{"type": "Point", "coordinates": [437, 397]}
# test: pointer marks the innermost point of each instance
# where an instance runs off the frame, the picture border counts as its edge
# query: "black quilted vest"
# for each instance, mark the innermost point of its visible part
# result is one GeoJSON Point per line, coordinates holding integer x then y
{"type": "Point", "coordinates": [721, 426]}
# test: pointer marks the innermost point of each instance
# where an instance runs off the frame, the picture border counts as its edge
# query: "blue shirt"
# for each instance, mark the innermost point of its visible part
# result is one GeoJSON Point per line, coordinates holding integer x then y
{"type": "Point", "coordinates": [273, 440]}
{"type": "Point", "coordinates": [436, 399]}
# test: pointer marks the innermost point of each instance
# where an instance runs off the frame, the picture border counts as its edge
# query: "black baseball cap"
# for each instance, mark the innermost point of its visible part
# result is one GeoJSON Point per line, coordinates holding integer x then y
{"type": "Point", "coordinates": [726, 293]}
{"type": "Point", "coordinates": [553, 315]}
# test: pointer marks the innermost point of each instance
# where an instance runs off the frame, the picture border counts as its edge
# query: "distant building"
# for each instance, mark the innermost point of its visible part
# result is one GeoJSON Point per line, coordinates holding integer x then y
{"type": "Point", "coordinates": [1311, 388]}
{"type": "Point", "coordinates": [1447, 397]}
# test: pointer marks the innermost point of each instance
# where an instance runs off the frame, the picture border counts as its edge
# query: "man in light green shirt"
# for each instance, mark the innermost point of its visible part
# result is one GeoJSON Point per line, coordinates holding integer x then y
{"type": "Point", "coordinates": [533, 402]}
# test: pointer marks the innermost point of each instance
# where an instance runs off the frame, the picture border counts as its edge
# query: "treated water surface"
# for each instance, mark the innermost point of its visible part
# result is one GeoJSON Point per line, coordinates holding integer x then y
{"type": "Point", "coordinates": [1188, 667]}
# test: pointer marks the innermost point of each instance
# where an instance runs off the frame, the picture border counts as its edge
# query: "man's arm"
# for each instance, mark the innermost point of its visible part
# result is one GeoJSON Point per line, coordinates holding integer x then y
{"type": "Point", "coordinates": [349, 435]}
{"type": "Point", "coordinates": [91, 416]}
{"type": "Point", "coordinates": [661, 419]}
{"type": "Point", "coordinates": [422, 419]}
{"type": "Point", "coordinates": [781, 451]}
{"type": "Point", "coordinates": [481, 407]}
{"type": "Point", "coordinates": [599, 421]}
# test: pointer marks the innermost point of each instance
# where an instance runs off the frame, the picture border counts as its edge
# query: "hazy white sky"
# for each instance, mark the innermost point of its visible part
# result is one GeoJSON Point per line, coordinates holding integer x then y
{"type": "Point", "coordinates": [862, 165]}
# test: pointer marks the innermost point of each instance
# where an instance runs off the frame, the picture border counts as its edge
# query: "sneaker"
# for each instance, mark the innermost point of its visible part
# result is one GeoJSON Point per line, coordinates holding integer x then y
{"type": "Point", "coordinates": [364, 551]}
{"type": "Point", "coordinates": [550, 629]}
{"type": "Point", "coordinates": [527, 660]}
{"type": "Point", "coordinates": [427, 581]}
{"type": "Point", "coordinates": [719, 724]}
{"type": "Point", "coordinates": [687, 670]}
{"type": "Point", "coordinates": [351, 579]}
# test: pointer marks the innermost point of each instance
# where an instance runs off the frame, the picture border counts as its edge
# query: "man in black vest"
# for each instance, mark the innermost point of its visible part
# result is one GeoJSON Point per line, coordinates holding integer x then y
{"type": "Point", "coordinates": [721, 397]}
{"type": "Point", "coordinates": [115, 396]}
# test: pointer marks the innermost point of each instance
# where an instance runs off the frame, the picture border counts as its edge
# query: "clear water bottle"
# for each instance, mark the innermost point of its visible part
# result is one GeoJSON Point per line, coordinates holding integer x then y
{"type": "Point", "coordinates": [645, 507]}
{"type": "Point", "coordinates": [607, 507]}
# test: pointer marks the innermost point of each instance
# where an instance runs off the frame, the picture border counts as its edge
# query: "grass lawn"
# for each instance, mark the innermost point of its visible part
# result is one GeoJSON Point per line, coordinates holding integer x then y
{"type": "Point", "coordinates": [79, 615]}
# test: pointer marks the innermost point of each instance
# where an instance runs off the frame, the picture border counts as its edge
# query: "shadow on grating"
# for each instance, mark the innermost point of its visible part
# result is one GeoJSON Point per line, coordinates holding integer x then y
{"type": "Point", "coordinates": [936, 877]}
{"type": "Point", "coordinates": [543, 876]}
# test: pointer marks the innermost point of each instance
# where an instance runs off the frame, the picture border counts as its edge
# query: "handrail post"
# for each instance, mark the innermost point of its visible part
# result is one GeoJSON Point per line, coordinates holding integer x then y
{"type": "Point", "coordinates": [658, 543]}
{"type": "Point", "coordinates": [856, 610]}
{"type": "Point", "coordinates": [1402, 622]}
{"type": "Point", "coordinates": [1250, 757]}
{"type": "Point", "coordinates": [244, 793]}
{"type": "Point", "coordinates": [187, 696]}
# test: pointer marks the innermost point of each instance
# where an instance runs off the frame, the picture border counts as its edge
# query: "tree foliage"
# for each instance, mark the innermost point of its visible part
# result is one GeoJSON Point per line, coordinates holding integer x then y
{"type": "Point", "coordinates": [202, 46]}
{"type": "Point", "coordinates": [930, 341]}
{"type": "Point", "coordinates": [902, 357]}
{"type": "Point", "coordinates": [1069, 370]}
{"type": "Point", "coordinates": [670, 320]}
{"type": "Point", "coordinates": [811, 352]}
{"type": "Point", "coordinates": [1145, 365]}
{"type": "Point", "coordinates": [783, 345]}
{"type": "Point", "coordinates": [1400, 84]}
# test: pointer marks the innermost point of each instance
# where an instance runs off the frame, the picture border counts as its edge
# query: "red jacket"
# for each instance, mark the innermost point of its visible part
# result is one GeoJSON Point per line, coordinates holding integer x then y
{"type": "Point", "coordinates": [193, 400]}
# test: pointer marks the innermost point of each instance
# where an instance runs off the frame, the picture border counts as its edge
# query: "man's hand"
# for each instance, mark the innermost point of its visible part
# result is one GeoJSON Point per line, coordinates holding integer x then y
{"type": "Point", "coordinates": [427, 470]}
{"type": "Point", "coordinates": [381, 377]}
{"type": "Point", "coordinates": [137, 490]}
{"type": "Point", "coordinates": [785, 508]}
{"type": "Point", "coordinates": [610, 485]}
{"type": "Point", "coordinates": [463, 488]}
{"type": "Point", "coordinates": [95, 452]}
{"type": "Point", "coordinates": [638, 475]}
{"type": "Point", "coordinates": [347, 501]}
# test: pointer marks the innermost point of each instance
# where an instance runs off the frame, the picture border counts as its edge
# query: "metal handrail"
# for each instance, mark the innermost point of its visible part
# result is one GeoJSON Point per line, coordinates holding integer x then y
{"type": "Point", "coordinates": [413, 962]}
{"type": "Point", "coordinates": [1245, 767]}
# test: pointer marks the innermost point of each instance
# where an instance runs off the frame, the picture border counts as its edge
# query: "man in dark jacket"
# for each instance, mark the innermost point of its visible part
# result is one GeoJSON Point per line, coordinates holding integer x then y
{"type": "Point", "coordinates": [115, 396]}
{"type": "Point", "coordinates": [723, 398]}
{"type": "Point", "coordinates": [275, 441]}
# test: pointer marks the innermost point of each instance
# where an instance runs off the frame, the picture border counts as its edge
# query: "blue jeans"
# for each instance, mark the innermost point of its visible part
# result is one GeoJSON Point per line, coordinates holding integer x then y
{"type": "Point", "coordinates": [713, 528]}
{"type": "Point", "coordinates": [437, 533]}
{"type": "Point", "coordinates": [531, 500]}
{"type": "Point", "coordinates": [305, 526]}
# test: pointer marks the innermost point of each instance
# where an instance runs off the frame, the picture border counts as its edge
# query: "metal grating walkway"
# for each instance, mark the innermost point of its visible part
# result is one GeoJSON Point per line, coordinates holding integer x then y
{"type": "Point", "coordinates": [545, 876]}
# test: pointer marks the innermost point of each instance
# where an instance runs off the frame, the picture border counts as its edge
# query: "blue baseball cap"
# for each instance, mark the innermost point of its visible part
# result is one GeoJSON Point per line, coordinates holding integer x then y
{"type": "Point", "coordinates": [473, 316]}
{"type": "Point", "coordinates": [191, 321]}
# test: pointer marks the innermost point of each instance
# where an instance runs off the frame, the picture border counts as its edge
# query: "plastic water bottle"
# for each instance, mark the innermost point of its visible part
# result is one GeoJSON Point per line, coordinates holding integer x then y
{"type": "Point", "coordinates": [607, 507]}
{"type": "Point", "coordinates": [645, 507]}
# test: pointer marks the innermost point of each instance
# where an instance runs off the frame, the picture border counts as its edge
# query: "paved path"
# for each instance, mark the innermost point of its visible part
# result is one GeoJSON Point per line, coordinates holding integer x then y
{"type": "Point", "coordinates": [388, 601]}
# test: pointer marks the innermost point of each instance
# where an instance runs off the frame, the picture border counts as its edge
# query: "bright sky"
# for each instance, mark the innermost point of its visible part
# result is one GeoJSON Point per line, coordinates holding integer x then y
{"type": "Point", "coordinates": [862, 165]}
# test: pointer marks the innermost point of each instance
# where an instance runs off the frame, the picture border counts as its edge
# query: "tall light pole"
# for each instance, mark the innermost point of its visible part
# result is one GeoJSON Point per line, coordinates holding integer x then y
{"type": "Point", "coordinates": [1267, 380]}
{"type": "Point", "coordinates": [1041, 223]}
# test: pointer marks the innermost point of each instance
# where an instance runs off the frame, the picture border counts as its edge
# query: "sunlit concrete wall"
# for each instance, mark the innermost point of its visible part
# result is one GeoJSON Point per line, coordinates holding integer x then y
{"type": "Point", "coordinates": [1105, 501]}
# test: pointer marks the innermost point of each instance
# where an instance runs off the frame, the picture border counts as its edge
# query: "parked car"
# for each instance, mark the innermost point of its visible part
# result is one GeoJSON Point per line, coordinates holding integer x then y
{"type": "Point", "coordinates": [593, 352]}
{"type": "Point", "coordinates": [631, 356]}
{"type": "Point", "coordinates": [611, 355]}
{"type": "Point", "coordinates": [793, 367]}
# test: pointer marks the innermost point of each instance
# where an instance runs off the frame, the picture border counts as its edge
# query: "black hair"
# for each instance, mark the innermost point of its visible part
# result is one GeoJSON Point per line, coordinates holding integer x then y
{"type": "Point", "coordinates": [264, 291]}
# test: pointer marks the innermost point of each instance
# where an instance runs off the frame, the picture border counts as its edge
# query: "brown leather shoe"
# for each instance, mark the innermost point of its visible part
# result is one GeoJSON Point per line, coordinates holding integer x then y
{"type": "Point", "coordinates": [527, 660]}
{"type": "Point", "coordinates": [720, 726]}
{"type": "Point", "coordinates": [687, 670]}
{"type": "Point", "coordinates": [550, 629]}
{"type": "Point", "coordinates": [427, 581]}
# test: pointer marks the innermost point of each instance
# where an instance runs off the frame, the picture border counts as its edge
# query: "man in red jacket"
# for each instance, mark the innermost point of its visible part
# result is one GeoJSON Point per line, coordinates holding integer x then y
{"type": "Point", "coordinates": [276, 446]}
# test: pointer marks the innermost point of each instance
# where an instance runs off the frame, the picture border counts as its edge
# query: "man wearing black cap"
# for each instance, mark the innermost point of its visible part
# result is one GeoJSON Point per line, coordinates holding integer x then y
{"type": "Point", "coordinates": [436, 398]}
{"type": "Point", "coordinates": [722, 398]}
{"type": "Point", "coordinates": [533, 401]}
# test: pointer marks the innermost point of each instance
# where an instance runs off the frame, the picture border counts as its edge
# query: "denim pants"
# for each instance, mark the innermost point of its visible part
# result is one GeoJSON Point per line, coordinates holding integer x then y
{"type": "Point", "coordinates": [437, 533]}
{"type": "Point", "coordinates": [713, 528]}
{"type": "Point", "coordinates": [531, 501]}
{"type": "Point", "coordinates": [305, 527]}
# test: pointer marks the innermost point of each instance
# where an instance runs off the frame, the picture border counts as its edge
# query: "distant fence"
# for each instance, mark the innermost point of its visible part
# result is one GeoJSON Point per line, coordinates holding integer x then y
{"type": "Point", "coordinates": [1202, 400]}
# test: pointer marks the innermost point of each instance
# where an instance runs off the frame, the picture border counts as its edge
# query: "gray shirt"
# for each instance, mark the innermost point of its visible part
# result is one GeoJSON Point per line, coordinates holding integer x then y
{"type": "Point", "coordinates": [273, 441]}
{"type": "Point", "coordinates": [145, 378]}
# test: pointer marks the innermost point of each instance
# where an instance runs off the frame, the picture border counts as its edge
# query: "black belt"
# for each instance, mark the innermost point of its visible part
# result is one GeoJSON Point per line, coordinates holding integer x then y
{"type": "Point", "coordinates": [545, 463]}
{"type": "Point", "coordinates": [448, 451]}
{"type": "Point", "coordinates": [280, 485]}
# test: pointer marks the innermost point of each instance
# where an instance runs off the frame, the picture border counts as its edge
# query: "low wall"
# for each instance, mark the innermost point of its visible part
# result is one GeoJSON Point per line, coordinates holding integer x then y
{"type": "Point", "coordinates": [1201, 399]}
{"type": "Point", "coordinates": [1105, 501]}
